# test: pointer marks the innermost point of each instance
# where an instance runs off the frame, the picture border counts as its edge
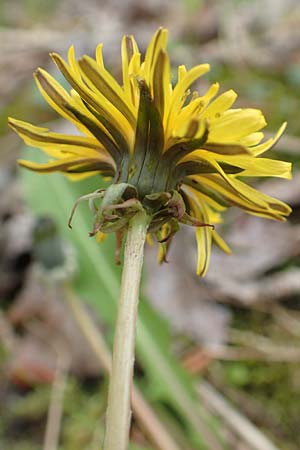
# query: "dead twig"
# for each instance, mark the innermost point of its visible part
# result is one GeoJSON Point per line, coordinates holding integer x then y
{"type": "Point", "coordinates": [55, 410]}
{"type": "Point", "coordinates": [265, 346]}
{"type": "Point", "coordinates": [269, 290]}
{"type": "Point", "coordinates": [238, 423]}
{"type": "Point", "coordinates": [197, 361]}
{"type": "Point", "coordinates": [290, 323]}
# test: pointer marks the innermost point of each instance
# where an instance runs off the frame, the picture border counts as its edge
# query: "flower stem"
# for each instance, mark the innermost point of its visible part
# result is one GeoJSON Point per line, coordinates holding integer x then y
{"type": "Point", "coordinates": [119, 395]}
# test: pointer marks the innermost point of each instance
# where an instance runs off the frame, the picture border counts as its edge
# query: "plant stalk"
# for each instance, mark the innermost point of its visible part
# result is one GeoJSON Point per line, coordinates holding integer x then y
{"type": "Point", "coordinates": [118, 414]}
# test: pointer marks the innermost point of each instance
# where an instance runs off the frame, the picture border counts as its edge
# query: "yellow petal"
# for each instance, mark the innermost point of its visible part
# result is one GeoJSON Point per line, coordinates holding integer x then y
{"type": "Point", "coordinates": [186, 81]}
{"type": "Point", "coordinates": [99, 102]}
{"type": "Point", "coordinates": [135, 65]}
{"type": "Point", "coordinates": [102, 84]}
{"type": "Point", "coordinates": [253, 167]}
{"type": "Point", "coordinates": [149, 239]}
{"type": "Point", "coordinates": [134, 72]}
{"type": "Point", "coordinates": [70, 165]}
{"type": "Point", "coordinates": [230, 181]}
{"type": "Point", "coordinates": [157, 43]}
{"type": "Point", "coordinates": [203, 234]}
{"type": "Point", "coordinates": [213, 208]}
{"type": "Point", "coordinates": [220, 105]}
{"type": "Point", "coordinates": [178, 94]}
{"type": "Point", "coordinates": [235, 124]}
{"type": "Point", "coordinates": [204, 241]}
{"type": "Point", "coordinates": [161, 255]}
{"type": "Point", "coordinates": [51, 166]}
{"type": "Point", "coordinates": [181, 72]}
{"type": "Point", "coordinates": [263, 167]}
{"type": "Point", "coordinates": [129, 48]}
{"type": "Point", "coordinates": [80, 176]}
{"type": "Point", "coordinates": [100, 121]}
{"type": "Point", "coordinates": [72, 61]}
{"type": "Point", "coordinates": [192, 110]}
{"type": "Point", "coordinates": [55, 96]}
{"type": "Point", "coordinates": [252, 139]}
{"type": "Point", "coordinates": [215, 205]}
{"type": "Point", "coordinates": [56, 144]}
{"type": "Point", "coordinates": [221, 243]}
{"type": "Point", "coordinates": [247, 198]}
{"type": "Point", "coordinates": [259, 149]}
{"type": "Point", "coordinates": [161, 82]}
{"type": "Point", "coordinates": [273, 204]}
{"type": "Point", "coordinates": [188, 129]}
{"type": "Point", "coordinates": [110, 81]}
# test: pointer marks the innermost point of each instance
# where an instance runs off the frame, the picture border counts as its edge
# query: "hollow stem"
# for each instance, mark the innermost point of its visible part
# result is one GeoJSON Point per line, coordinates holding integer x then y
{"type": "Point", "coordinates": [119, 395]}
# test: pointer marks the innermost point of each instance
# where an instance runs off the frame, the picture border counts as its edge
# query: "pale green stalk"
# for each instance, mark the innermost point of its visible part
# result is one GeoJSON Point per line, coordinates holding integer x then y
{"type": "Point", "coordinates": [119, 396]}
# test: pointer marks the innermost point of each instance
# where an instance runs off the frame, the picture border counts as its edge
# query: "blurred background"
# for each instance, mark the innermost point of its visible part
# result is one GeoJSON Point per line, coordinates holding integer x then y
{"type": "Point", "coordinates": [218, 360]}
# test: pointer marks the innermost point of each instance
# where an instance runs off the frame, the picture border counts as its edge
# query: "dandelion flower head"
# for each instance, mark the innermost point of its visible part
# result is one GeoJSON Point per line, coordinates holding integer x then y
{"type": "Point", "coordinates": [176, 152]}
